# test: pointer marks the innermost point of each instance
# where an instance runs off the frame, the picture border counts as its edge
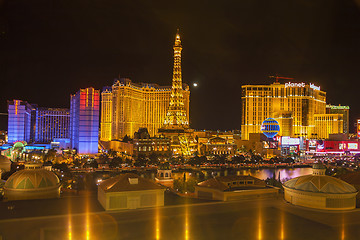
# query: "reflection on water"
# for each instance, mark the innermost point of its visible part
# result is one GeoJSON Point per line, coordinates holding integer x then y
{"type": "Point", "coordinates": [186, 223]}
{"type": "Point", "coordinates": [282, 221]}
{"type": "Point", "coordinates": [259, 223]}
{"type": "Point", "coordinates": [343, 228]}
{"type": "Point", "coordinates": [157, 224]}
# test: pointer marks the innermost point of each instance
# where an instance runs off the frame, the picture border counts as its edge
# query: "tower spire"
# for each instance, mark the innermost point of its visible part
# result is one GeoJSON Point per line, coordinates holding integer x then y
{"type": "Point", "coordinates": [176, 114]}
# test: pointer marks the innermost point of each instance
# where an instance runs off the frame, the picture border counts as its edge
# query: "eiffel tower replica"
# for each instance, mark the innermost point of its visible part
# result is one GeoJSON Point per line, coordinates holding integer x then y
{"type": "Point", "coordinates": [176, 124]}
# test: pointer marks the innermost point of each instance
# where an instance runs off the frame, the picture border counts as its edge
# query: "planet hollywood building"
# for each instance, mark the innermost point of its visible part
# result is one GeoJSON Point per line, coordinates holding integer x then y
{"type": "Point", "coordinates": [298, 107]}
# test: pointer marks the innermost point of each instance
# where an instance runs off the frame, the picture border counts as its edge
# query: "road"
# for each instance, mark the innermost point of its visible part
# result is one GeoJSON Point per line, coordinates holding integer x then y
{"type": "Point", "coordinates": [260, 219]}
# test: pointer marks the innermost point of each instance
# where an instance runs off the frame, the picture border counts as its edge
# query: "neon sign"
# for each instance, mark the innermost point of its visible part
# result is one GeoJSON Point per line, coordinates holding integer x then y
{"type": "Point", "coordinates": [290, 84]}
{"type": "Point", "coordinates": [301, 85]}
{"type": "Point", "coordinates": [314, 87]}
{"type": "Point", "coordinates": [352, 146]}
{"type": "Point", "coordinates": [339, 107]}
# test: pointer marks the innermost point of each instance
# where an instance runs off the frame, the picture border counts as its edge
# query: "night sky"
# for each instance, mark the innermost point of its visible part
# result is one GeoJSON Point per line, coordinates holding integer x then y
{"type": "Point", "coordinates": [51, 48]}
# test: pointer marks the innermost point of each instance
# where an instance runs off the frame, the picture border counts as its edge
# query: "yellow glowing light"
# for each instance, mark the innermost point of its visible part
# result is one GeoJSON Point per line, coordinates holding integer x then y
{"type": "Point", "coordinates": [282, 233]}
{"type": "Point", "coordinates": [157, 224]}
{"type": "Point", "coordinates": [87, 218]}
{"type": "Point", "coordinates": [70, 229]}
{"type": "Point", "coordinates": [87, 100]}
{"type": "Point", "coordinates": [69, 221]}
{"type": "Point", "coordinates": [16, 107]}
{"type": "Point", "coordinates": [186, 223]}
{"type": "Point", "coordinates": [157, 231]}
{"type": "Point", "coordinates": [343, 229]}
{"type": "Point", "coordinates": [92, 99]}
{"type": "Point", "coordinates": [260, 225]}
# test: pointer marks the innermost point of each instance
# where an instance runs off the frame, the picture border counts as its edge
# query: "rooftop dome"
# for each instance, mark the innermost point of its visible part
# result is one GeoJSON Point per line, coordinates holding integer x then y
{"type": "Point", "coordinates": [32, 179]}
{"type": "Point", "coordinates": [20, 144]}
{"type": "Point", "coordinates": [320, 184]}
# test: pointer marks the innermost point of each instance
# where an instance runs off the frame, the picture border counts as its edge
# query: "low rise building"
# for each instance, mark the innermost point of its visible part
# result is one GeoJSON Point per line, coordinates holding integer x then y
{"type": "Point", "coordinates": [129, 191]}
{"type": "Point", "coordinates": [232, 188]}
{"type": "Point", "coordinates": [146, 145]}
{"type": "Point", "coordinates": [217, 146]}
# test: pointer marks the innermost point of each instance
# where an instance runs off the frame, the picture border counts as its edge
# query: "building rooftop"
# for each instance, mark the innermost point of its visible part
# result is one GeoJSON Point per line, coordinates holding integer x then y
{"type": "Point", "coordinates": [32, 179]}
{"type": "Point", "coordinates": [320, 184]}
{"type": "Point", "coordinates": [128, 182]}
{"type": "Point", "coordinates": [225, 183]}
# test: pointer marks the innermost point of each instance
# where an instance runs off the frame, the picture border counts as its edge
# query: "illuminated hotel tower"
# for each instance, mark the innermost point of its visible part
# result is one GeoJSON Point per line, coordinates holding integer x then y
{"type": "Point", "coordinates": [299, 108]}
{"type": "Point", "coordinates": [51, 123]}
{"type": "Point", "coordinates": [293, 105]}
{"type": "Point", "coordinates": [128, 106]}
{"type": "Point", "coordinates": [176, 114]}
{"type": "Point", "coordinates": [84, 121]}
{"type": "Point", "coordinates": [106, 114]}
{"type": "Point", "coordinates": [19, 121]}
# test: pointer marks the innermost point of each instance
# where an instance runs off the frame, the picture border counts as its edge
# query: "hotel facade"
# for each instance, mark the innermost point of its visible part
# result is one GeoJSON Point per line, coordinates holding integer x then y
{"type": "Point", "coordinates": [19, 121]}
{"type": "Point", "coordinates": [84, 120]}
{"type": "Point", "coordinates": [128, 106]}
{"type": "Point", "coordinates": [33, 124]}
{"type": "Point", "coordinates": [51, 123]}
{"type": "Point", "coordinates": [300, 109]}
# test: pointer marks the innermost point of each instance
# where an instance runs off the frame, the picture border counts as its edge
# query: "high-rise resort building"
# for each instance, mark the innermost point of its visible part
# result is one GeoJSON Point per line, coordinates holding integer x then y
{"type": "Point", "coordinates": [300, 109]}
{"type": "Point", "coordinates": [33, 124]}
{"type": "Point", "coordinates": [106, 114]}
{"type": "Point", "coordinates": [176, 123]}
{"type": "Point", "coordinates": [128, 106]}
{"type": "Point", "coordinates": [84, 121]}
{"type": "Point", "coordinates": [344, 110]}
{"type": "Point", "coordinates": [19, 121]}
{"type": "Point", "coordinates": [51, 123]}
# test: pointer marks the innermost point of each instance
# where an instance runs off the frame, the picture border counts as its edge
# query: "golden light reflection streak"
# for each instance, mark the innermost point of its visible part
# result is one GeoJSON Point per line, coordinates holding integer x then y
{"type": "Point", "coordinates": [186, 223]}
{"type": "Point", "coordinates": [282, 234]}
{"type": "Point", "coordinates": [69, 224]}
{"type": "Point", "coordinates": [260, 224]}
{"type": "Point", "coordinates": [343, 229]}
{"type": "Point", "coordinates": [87, 218]}
{"type": "Point", "coordinates": [157, 226]}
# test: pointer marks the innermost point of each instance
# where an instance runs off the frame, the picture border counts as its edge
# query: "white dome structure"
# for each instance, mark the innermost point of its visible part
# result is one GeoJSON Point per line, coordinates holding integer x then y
{"type": "Point", "coordinates": [320, 191]}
